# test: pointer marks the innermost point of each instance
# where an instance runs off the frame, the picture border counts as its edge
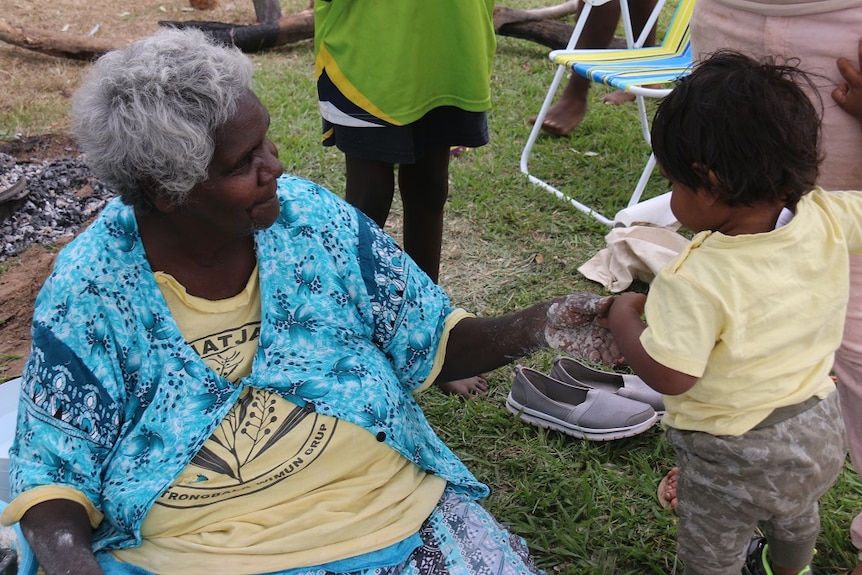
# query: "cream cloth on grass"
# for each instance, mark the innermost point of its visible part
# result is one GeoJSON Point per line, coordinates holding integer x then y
{"type": "Point", "coordinates": [634, 252]}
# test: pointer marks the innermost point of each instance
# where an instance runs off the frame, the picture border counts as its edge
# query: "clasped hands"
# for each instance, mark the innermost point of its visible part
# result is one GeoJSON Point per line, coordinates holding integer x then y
{"type": "Point", "coordinates": [577, 324]}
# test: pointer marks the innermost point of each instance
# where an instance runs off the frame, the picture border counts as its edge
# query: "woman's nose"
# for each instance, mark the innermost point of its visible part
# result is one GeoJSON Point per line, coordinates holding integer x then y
{"type": "Point", "coordinates": [273, 166]}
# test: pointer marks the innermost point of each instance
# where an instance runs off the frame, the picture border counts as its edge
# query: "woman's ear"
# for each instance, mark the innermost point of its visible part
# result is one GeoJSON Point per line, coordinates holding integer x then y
{"type": "Point", "coordinates": [157, 198]}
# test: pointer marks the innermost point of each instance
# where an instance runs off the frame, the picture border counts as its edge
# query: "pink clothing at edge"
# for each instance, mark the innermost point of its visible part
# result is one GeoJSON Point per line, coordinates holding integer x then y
{"type": "Point", "coordinates": [818, 40]}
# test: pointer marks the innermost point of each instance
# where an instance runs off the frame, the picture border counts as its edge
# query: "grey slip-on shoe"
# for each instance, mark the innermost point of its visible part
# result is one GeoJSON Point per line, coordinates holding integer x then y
{"type": "Point", "coordinates": [586, 413]}
{"type": "Point", "coordinates": [572, 371]}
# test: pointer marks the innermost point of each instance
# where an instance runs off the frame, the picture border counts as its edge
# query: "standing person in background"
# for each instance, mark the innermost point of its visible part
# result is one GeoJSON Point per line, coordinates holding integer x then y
{"type": "Point", "coordinates": [848, 95]}
{"type": "Point", "coordinates": [817, 32]}
{"type": "Point", "coordinates": [571, 109]}
{"type": "Point", "coordinates": [399, 84]}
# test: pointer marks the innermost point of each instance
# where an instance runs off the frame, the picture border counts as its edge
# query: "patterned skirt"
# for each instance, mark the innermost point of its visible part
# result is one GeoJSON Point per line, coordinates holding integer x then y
{"type": "Point", "coordinates": [459, 538]}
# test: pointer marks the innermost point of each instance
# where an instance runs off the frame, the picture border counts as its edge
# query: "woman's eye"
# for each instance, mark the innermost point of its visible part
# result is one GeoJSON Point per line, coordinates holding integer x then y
{"type": "Point", "coordinates": [242, 164]}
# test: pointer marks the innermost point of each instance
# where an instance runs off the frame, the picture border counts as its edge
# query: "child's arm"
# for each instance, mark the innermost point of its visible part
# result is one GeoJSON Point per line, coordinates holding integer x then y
{"type": "Point", "coordinates": [624, 321]}
{"type": "Point", "coordinates": [849, 94]}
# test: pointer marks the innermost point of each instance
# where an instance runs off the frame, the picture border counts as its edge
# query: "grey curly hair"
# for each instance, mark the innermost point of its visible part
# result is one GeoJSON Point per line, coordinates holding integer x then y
{"type": "Point", "coordinates": [146, 115]}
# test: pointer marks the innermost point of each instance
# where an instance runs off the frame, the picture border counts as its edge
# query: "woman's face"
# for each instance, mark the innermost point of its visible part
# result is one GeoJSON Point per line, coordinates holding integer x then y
{"type": "Point", "coordinates": [239, 195]}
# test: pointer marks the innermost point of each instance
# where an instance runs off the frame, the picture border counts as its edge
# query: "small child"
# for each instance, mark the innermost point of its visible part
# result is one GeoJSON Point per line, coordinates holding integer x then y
{"type": "Point", "coordinates": [742, 327]}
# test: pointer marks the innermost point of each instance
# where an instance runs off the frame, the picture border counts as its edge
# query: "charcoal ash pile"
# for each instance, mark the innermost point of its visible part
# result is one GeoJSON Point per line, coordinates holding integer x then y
{"type": "Point", "coordinates": [44, 201]}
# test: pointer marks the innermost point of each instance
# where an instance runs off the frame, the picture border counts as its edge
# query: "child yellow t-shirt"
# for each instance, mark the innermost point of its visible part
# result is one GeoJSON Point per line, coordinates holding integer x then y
{"type": "Point", "coordinates": [276, 486]}
{"type": "Point", "coordinates": [755, 317]}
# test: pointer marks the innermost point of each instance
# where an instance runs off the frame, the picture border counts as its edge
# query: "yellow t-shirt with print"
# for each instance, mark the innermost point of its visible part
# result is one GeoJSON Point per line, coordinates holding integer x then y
{"type": "Point", "coordinates": [276, 486]}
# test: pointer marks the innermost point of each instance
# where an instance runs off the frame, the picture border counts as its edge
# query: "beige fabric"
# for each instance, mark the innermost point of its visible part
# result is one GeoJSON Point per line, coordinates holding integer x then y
{"type": "Point", "coordinates": [633, 253]}
{"type": "Point", "coordinates": [791, 7]}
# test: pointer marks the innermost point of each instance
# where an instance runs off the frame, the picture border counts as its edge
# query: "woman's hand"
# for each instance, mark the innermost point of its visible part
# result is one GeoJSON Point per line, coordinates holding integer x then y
{"type": "Point", "coordinates": [59, 534]}
{"type": "Point", "coordinates": [574, 325]}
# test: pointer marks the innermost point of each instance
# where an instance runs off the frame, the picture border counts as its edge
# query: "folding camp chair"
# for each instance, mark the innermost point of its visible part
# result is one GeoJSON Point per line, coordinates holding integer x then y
{"type": "Point", "coordinates": [632, 70]}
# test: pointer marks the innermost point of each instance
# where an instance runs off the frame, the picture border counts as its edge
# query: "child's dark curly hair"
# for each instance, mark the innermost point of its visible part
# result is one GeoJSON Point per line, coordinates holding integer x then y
{"type": "Point", "coordinates": [748, 123]}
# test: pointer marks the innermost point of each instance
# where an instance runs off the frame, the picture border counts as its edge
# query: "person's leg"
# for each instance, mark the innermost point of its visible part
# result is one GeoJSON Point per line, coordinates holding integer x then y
{"type": "Point", "coordinates": [714, 527]}
{"type": "Point", "coordinates": [841, 170]}
{"type": "Point", "coordinates": [715, 27]}
{"type": "Point", "coordinates": [814, 440]}
{"type": "Point", "coordinates": [848, 369]}
{"type": "Point", "coordinates": [723, 495]}
{"type": "Point", "coordinates": [640, 11]}
{"type": "Point", "coordinates": [567, 112]}
{"type": "Point", "coordinates": [370, 187]}
{"type": "Point", "coordinates": [424, 188]}
{"type": "Point", "coordinates": [816, 40]}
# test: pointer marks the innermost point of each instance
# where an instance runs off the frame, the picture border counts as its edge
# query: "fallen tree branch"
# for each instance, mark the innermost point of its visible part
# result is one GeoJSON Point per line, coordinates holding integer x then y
{"type": "Point", "coordinates": [530, 25]}
{"type": "Point", "coordinates": [254, 38]}
{"type": "Point", "coordinates": [522, 24]}
{"type": "Point", "coordinates": [54, 44]}
{"type": "Point", "coordinates": [548, 13]}
{"type": "Point", "coordinates": [538, 25]}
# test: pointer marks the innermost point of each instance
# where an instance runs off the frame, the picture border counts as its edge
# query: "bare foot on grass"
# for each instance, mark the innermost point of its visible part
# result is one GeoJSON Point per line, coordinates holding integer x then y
{"type": "Point", "coordinates": [564, 116]}
{"type": "Point", "coordinates": [667, 489]}
{"type": "Point", "coordinates": [467, 388]}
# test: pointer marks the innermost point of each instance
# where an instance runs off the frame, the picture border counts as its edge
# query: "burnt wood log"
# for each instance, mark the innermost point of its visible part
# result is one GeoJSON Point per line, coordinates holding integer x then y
{"type": "Point", "coordinates": [256, 37]}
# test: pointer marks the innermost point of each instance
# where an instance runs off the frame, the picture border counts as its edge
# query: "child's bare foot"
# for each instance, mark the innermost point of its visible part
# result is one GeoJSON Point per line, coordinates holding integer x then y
{"type": "Point", "coordinates": [564, 116]}
{"type": "Point", "coordinates": [467, 388]}
{"type": "Point", "coordinates": [617, 98]}
{"type": "Point", "coordinates": [667, 489]}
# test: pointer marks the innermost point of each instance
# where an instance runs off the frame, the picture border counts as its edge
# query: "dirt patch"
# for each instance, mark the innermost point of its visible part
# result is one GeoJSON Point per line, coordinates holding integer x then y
{"type": "Point", "coordinates": [39, 148]}
{"type": "Point", "coordinates": [19, 285]}
{"type": "Point", "coordinates": [36, 87]}
{"type": "Point", "coordinates": [36, 91]}
{"type": "Point", "coordinates": [23, 276]}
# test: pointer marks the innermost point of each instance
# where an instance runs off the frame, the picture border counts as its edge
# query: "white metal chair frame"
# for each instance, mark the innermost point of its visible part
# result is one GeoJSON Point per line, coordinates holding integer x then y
{"type": "Point", "coordinates": [640, 93]}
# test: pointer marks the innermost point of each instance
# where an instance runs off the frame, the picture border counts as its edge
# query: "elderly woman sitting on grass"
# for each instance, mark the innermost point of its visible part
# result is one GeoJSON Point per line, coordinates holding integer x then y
{"type": "Point", "coordinates": [223, 363]}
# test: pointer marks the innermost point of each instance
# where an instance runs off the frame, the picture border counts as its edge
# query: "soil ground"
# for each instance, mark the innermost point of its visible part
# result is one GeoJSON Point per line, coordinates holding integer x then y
{"type": "Point", "coordinates": [34, 78]}
{"type": "Point", "coordinates": [21, 280]}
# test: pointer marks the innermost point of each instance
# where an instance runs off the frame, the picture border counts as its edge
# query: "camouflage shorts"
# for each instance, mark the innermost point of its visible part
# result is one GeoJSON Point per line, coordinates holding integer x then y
{"type": "Point", "coordinates": [771, 477]}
